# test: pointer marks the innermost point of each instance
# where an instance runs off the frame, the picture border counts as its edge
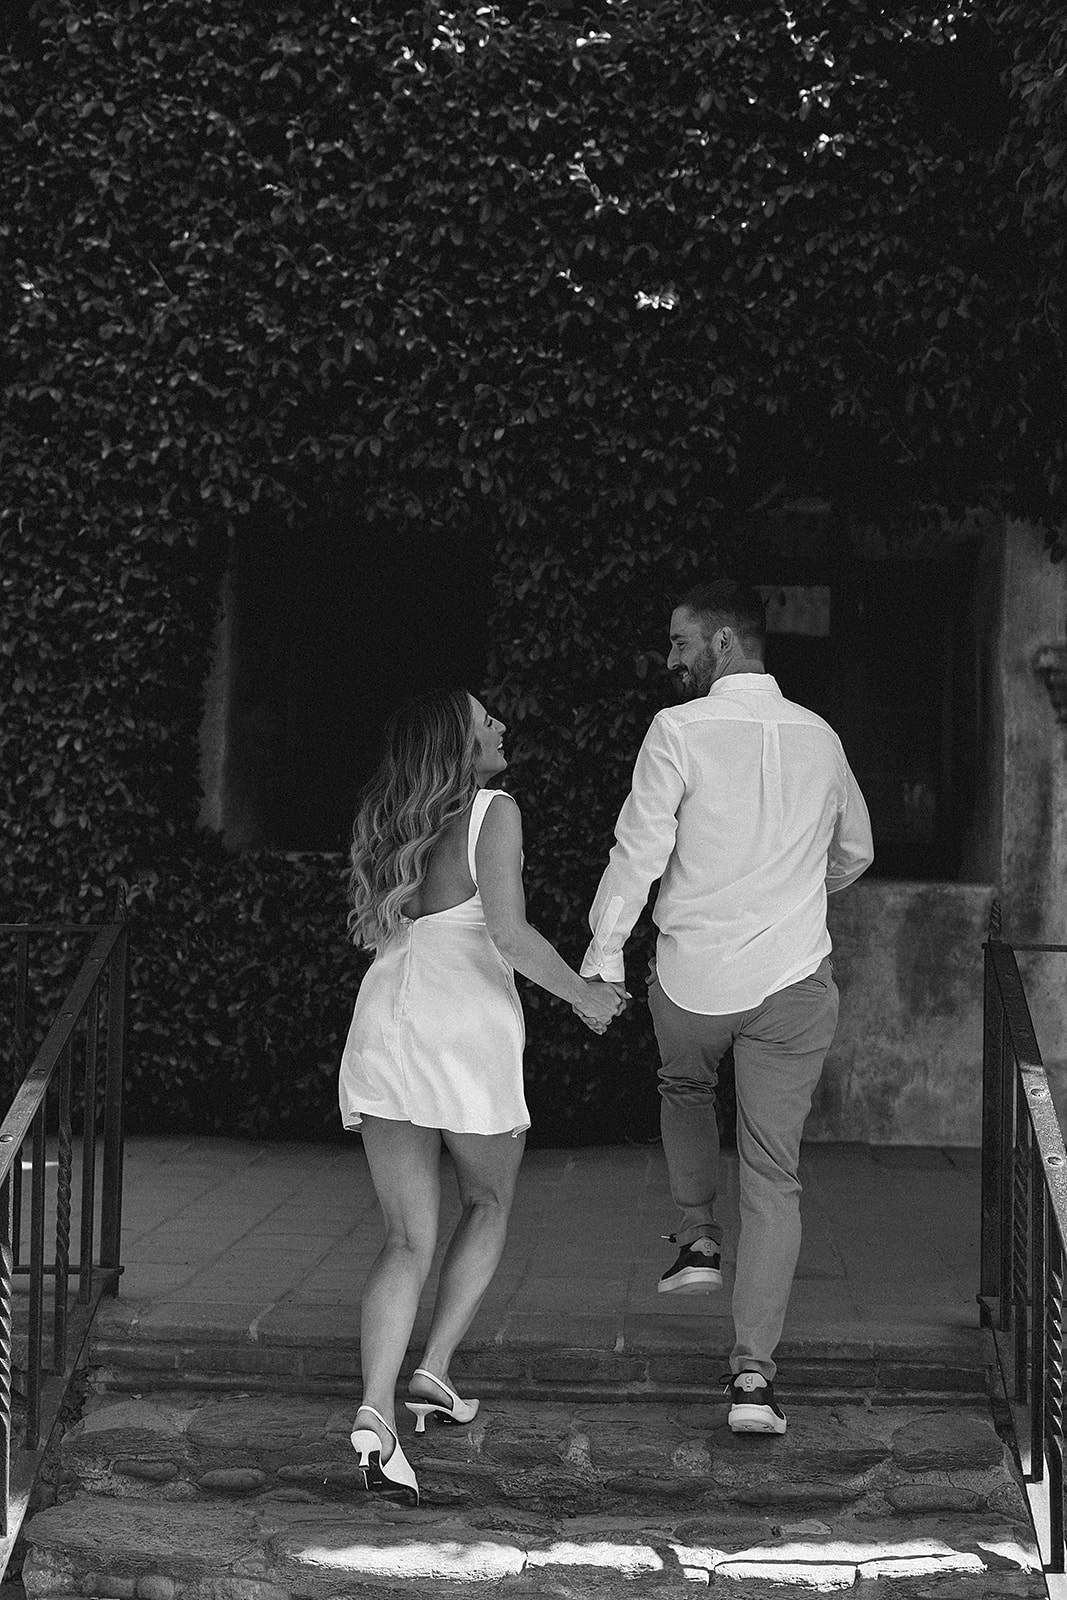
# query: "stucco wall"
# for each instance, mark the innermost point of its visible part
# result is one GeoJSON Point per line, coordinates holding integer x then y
{"type": "Point", "coordinates": [1033, 872]}
{"type": "Point", "coordinates": [905, 1067]}
{"type": "Point", "coordinates": [906, 1064]}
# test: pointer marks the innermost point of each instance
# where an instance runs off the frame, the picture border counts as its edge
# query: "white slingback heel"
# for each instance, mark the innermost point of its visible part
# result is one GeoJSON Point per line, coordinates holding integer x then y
{"type": "Point", "coordinates": [393, 1473]}
{"type": "Point", "coordinates": [458, 1412]}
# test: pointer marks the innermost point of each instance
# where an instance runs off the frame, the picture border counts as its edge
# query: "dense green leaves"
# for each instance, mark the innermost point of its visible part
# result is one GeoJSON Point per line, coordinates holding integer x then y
{"type": "Point", "coordinates": [244, 986]}
{"type": "Point", "coordinates": [1038, 144]}
{"type": "Point", "coordinates": [666, 239]}
{"type": "Point", "coordinates": [590, 279]}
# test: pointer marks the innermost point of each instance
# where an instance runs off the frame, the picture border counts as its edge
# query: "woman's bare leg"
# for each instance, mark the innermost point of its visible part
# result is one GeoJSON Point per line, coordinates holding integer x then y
{"type": "Point", "coordinates": [404, 1163]}
{"type": "Point", "coordinates": [487, 1167]}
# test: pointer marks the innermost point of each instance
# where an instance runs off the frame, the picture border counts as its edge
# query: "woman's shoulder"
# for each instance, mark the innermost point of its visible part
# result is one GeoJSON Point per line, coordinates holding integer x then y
{"type": "Point", "coordinates": [500, 794]}
{"type": "Point", "coordinates": [501, 817]}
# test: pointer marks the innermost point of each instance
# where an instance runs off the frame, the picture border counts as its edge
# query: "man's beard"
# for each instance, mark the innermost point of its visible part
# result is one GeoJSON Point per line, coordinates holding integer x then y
{"type": "Point", "coordinates": [694, 684]}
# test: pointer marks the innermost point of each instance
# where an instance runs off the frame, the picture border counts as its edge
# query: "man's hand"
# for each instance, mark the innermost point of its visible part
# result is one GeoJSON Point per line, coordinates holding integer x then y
{"type": "Point", "coordinates": [622, 999]}
{"type": "Point", "coordinates": [651, 974]}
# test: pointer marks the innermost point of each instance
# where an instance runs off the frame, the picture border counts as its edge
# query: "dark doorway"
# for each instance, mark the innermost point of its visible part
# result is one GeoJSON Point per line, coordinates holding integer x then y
{"type": "Point", "coordinates": [905, 702]}
{"type": "Point", "coordinates": [333, 626]}
{"type": "Point", "coordinates": [889, 656]}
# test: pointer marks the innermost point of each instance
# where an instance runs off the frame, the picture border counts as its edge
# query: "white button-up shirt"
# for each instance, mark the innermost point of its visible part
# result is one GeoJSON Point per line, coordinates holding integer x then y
{"type": "Point", "coordinates": [743, 804]}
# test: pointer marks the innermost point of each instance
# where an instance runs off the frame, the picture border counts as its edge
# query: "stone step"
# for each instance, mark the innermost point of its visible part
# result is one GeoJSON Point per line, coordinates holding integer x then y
{"type": "Point", "coordinates": [304, 1355]}
{"type": "Point", "coordinates": [246, 1497]}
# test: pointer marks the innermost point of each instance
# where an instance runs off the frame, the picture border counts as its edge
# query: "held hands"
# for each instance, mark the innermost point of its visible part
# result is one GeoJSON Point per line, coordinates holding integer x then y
{"type": "Point", "coordinates": [602, 1003]}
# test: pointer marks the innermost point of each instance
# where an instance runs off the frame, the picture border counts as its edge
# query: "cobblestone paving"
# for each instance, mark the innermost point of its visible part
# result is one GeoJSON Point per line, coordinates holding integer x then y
{"type": "Point", "coordinates": [201, 1497]}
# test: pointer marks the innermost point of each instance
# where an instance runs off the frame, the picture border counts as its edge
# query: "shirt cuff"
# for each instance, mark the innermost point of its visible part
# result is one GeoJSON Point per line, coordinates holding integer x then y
{"type": "Point", "coordinates": [596, 965]}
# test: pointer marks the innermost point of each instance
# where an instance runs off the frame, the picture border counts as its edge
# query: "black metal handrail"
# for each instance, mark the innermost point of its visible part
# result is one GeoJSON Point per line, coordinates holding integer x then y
{"type": "Point", "coordinates": [1024, 1233]}
{"type": "Point", "coordinates": [87, 1032]}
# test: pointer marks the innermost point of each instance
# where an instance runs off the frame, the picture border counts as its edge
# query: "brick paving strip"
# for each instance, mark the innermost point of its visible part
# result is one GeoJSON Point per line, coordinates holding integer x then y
{"type": "Point", "coordinates": [169, 1496]}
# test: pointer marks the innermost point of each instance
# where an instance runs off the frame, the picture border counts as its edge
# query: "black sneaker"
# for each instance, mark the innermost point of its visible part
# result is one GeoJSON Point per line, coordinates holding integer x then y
{"type": "Point", "coordinates": [753, 1408]}
{"type": "Point", "coordinates": [697, 1270]}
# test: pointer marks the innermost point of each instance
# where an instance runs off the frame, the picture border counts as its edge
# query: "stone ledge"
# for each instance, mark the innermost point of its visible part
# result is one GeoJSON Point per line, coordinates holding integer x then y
{"type": "Point", "coordinates": [886, 1373]}
{"type": "Point", "coordinates": [304, 1327]}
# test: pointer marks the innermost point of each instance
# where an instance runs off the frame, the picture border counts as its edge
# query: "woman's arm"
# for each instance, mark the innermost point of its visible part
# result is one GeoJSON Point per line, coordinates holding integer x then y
{"type": "Point", "coordinates": [498, 858]}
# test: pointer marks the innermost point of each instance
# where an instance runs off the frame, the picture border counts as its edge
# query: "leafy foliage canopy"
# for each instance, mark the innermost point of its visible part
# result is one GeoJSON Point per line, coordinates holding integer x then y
{"type": "Point", "coordinates": [589, 279]}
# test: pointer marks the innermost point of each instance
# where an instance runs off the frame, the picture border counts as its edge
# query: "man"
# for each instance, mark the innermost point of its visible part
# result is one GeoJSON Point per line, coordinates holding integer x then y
{"type": "Point", "coordinates": [743, 804]}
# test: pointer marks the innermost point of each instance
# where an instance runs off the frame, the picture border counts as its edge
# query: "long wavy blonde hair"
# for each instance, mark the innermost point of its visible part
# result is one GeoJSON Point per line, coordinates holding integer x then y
{"type": "Point", "coordinates": [425, 778]}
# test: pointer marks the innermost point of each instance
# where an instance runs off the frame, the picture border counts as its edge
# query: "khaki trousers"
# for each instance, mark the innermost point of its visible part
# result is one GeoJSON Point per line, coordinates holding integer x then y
{"type": "Point", "coordinates": [779, 1048]}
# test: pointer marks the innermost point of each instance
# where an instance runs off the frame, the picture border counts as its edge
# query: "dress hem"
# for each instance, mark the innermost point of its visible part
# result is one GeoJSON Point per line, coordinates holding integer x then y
{"type": "Point", "coordinates": [355, 1122]}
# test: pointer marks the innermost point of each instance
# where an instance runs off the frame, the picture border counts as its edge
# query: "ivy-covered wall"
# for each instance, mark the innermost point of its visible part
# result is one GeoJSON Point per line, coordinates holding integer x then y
{"type": "Point", "coordinates": [590, 279]}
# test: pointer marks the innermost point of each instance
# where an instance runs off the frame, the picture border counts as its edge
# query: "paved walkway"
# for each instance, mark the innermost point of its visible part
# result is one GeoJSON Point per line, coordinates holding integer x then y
{"type": "Point", "coordinates": [268, 1244]}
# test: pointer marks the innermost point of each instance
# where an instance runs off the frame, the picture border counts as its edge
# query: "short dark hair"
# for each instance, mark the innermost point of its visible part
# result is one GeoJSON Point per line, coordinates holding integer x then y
{"type": "Point", "coordinates": [737, 605]}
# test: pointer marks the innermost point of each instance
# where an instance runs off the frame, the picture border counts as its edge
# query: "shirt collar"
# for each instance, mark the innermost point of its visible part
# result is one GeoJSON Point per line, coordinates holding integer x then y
{"type": "Point", "coordinates": [750, 682]}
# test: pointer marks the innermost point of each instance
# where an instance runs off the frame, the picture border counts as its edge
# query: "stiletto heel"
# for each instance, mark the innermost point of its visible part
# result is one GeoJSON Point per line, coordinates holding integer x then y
{"type": "Point", "coordinates": [459, 1412]}
{"type": "Point", "coordinates": [420, 1410]}
{"type": "Point", "coordinates": [393, 1473]}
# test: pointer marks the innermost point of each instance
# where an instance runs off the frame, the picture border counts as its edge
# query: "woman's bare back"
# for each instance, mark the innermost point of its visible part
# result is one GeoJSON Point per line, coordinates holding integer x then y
{"type": "Point", "coordinates": [448, 881]}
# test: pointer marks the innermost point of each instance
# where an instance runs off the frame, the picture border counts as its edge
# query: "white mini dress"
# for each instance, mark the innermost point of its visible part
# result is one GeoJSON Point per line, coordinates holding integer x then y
{"type": "Point", "coordinates": [437, 1033]}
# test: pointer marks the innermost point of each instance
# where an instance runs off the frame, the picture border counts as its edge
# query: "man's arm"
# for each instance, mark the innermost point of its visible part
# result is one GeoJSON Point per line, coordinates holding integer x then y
{"type": "Point", "coordinates": [852, 847]}
{"type": "Point", "coordinates": [644, 834]}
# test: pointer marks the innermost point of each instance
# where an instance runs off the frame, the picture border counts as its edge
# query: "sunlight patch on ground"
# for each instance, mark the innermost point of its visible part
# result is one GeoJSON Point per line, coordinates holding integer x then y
{"type": "Point", "coordinates": [478, 1560]}
{"type": "Point", "coordinates": [629, 1559]}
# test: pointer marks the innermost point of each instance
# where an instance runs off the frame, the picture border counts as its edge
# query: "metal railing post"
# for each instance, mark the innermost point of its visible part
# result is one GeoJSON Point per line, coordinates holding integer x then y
{"type": "Point", "coordinates": [111, 1199]}
{"type": "Point", "coordinates": [1053, 1429]}
{"type": "Point", "coordinates": [35, 1343]}
{"type": "Point", "coordinates": [990, 1287]}
{"type": "Point", "coordinates": [1020, 1246]}
{"type": "Point", "coordinates": [1006, 1147]}
{"type": "Point", "coordinates": [64, 1170]}
{"type": "Point", "coordinates": [1039, 1238]}
{"type": "Point", "coordinates": [89, 1096]}
{"type": "Point", "coordinates": [6, 1350]}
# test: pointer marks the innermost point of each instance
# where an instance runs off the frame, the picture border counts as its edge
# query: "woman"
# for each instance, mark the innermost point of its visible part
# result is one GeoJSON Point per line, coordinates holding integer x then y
{"type": "Point", "coordinates": [434, 1053]}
